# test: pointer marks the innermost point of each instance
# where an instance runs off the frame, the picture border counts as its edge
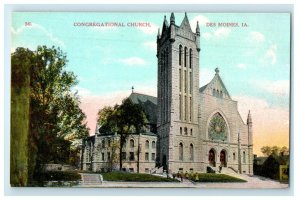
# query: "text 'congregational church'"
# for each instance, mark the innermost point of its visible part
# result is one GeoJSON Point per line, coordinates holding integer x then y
{"type": "Point", "coordinates": [189, 127]}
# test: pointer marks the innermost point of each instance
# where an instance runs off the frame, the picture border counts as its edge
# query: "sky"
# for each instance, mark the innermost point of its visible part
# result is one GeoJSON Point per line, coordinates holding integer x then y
{"type": "Point", "coordinates": [254, 60]}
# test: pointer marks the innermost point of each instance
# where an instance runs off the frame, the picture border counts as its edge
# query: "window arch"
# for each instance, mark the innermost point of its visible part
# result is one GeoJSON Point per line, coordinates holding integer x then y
{"type": "Point", "coordinates": [131, 143]}
{"type": "Point", "coordinates": [153, 145]}
{"type": "Point", "coordinates": [191, 59]}
{"type": "Point", "coordinates": [191, 152]}
{"type": "Point", "coordinates": [180, 151]}
{"type": "Point", "coordinates": [180, 55]}
{"type": "Point", "coordinates": [147, 144]}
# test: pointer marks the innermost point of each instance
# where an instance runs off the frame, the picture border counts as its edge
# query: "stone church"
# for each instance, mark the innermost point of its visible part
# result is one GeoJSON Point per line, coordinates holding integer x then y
{"type": "Point", "coordinates": [192, 127]}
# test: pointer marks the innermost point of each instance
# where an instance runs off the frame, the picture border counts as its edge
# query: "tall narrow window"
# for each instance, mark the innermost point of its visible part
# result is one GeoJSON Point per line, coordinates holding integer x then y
{"type": "Point", "coordinates": [185, 82]}
{"type": "Point", "coordinates": [191, 152]}
{"type": "Point", "coordinates": [153, 145]}
{"type": "Point", "coordinates": [233, 156]}
{"type": "Point", "coordinates": [180, 130]}
{"type": "Point", "coordinates": [180, 80]}
{"type": "Point", "coordinates": [147, 144]}
{"type": "Point", "coordinates": [180, 151]}
{"type": "Point", "coordinates": [244, 157]}
{"type": "Point", "coordinates": [191, 83]}
{"type": "Point", "coordinates": [103, 143]}
{"type": "Point", "coordinates": [180, 55]}
{"type": "Point", "coordinates": [146, 156]}
{"type": "Point", "coordinates": [191, 131]}
{"type": "Point", "coordinates": [131, 143]}
{"type": "Point", "coordinates": [191, 59]}
{"type": "Point", "coordinates": [185, 106]}
{"type": "Point", "coordinates": [180, 108]}
{"type": "Point", "coordinates": [191, 109]}
{"type": "Point", "coordinates": [185, 56]}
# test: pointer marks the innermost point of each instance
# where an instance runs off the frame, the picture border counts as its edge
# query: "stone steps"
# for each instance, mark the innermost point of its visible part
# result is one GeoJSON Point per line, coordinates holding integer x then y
{"type": "Point", "coordinates": [91, 179]}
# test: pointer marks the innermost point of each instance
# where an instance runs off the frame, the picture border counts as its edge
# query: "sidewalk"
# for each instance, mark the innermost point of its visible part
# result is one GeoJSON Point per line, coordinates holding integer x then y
{"type": "Point", "coordinates": [252, 182]}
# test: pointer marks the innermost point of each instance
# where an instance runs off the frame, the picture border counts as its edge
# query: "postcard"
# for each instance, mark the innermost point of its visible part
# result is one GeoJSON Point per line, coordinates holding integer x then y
{"type": "Point", "coordinates": [141, 99]}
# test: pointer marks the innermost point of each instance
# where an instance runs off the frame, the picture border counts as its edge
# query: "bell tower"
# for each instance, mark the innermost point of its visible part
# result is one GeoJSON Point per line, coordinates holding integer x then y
{"type": "Point", "coordinates": [178, 50]}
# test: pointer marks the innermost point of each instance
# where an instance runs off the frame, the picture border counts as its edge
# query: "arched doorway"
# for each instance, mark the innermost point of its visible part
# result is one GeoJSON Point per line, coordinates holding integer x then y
{"type": "Point", "coordinates": [212, 158]}
{"type": "Point", "coordinates": [223, 158]}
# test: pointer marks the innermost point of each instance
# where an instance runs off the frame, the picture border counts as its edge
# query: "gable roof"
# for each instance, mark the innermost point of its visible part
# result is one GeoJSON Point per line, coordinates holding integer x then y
{"type": "Point", "coordinates": [215, 84]}
{"type": "Point", "coordinates": [148, 103]}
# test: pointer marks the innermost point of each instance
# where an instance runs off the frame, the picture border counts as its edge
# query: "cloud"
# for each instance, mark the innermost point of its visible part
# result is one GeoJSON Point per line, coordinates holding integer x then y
{"type": "Point", "coordinates": [133, 61]}
{"type": "Point", "coordinates": [201, 19]}
{"type": "Point", "coordinates": [207, 35]}
{"type": "Point", "coordinates": [278, 88]}
{"type": "Point", "coordinates": [48, 34]}
{"type": "Point", "coordinates": [241, 66]}
{"type": "Point", "coordinates": [270, 124]}
{"type": "Point", "coordinates": [151, 45]}
{"type": "Point", "coordinates": [257, 37]}
{"type": "Point", "coordinates": [222, 32]}
{"type": "Point", "coordinates": [270, 55]}
{"type": "Point", "coordinates": [153, 29]}
{"type": "Point", "coordinates": [206, 75]}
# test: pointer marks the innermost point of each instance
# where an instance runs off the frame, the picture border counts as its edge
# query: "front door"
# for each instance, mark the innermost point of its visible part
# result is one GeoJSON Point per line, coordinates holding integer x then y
{"type": "Point", "coordinates": [211, 158]}
{"type": "Point", "coordinates": [223, 158]}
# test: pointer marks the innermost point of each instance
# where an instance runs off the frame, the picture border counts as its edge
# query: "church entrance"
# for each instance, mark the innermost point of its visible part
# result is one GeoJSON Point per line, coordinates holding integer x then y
{"type": "Point", "coordinates": [164, 162]}
{"type": "Point", "coordinates": [223, 158]}
{"type": "Point", "coordinates": [212, 158]}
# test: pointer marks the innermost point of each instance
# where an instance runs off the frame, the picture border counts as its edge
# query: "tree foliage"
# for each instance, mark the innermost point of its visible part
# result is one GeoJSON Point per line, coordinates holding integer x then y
{"type": "Point", "coordinates": [274, 150]}
{"type": "Point", "coordinates": [56, 120]}
{"type": "Point", "coordinates": [124, 119]}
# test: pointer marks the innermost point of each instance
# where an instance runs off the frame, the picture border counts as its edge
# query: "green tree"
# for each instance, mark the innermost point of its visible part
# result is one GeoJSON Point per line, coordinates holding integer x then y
{"type": "Point", "coordinates": [274, 150]}
{"type": "Point", "coordinates": [123, 119]}
{"type": "Point", "coordinates": [20, 101]}
{"type": "Point", "coordinates": [56, 120]}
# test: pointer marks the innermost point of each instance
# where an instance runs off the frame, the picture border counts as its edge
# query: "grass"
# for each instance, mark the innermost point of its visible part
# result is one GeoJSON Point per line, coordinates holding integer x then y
{"type": "Point", "coordinates": [210, 177]}
{"type": "Point", "coordinates": [125, 176]}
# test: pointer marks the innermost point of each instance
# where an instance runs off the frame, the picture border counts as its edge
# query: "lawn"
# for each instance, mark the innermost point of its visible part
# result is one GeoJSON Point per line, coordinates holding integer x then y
{"type": "Point", "coordinates": [210, 177]}
{"type": "Point", "coordinates": [125, 176]}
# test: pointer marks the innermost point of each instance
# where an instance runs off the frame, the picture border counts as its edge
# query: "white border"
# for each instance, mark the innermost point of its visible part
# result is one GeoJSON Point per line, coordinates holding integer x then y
{"type": "Point", "coordinates": [190, 8]}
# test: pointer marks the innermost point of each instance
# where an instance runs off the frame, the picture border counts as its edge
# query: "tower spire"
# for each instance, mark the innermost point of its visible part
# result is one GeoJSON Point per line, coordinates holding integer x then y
{"type": "Point", "coordinates": [198, 29]}
{"type": "Point", "coordinates": [132, 89]}
{"type": "Point", "coordinates": [249, 118]}
{"type": "Point", "coordinates": [172, 19]}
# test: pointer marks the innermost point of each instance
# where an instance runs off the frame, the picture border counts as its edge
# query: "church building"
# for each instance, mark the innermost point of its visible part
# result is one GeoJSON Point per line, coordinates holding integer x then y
{"type": "Point", "coordinates": [194, 127]}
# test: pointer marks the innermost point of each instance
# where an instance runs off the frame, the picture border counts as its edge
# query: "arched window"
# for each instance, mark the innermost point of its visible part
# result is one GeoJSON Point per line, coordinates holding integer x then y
{"type": "Point", "coordinates": [191, 59]}
{"type": "Point", "coordinates": [191, 152]}
{"type": "Point", "coordinates": [217, 94]}
{"type": "Point", "coordinates": [147, 144]}
{"type": "Point", "coordinates": [185, 55]}
{"type": "Point", "coordinates": [244, 157]}
{"type": "Point", "coordinates": [185, 131]}
{"type": "Point", "coordinates": [180, 151]}
{"type": "Point", "coordinates": [180, 130]}
{"type": "Point", "coordinates": [180, 55]}
{"type": "Point", "coordinates": [191, 131]}
{"type": "Point", "coordinates": [103, 144]}
{"type": "Point", "coordinates": [131, 143]}
{"type": "Point", "coordinates": [233, 156]}
{"type": "Point", "coordinates": [109, 143]}
{"type": "Point", "coordinates": [153, 145]}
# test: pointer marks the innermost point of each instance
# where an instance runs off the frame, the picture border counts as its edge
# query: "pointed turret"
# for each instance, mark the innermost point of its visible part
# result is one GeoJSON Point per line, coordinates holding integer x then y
{"type": "Point", "coordinates": [172, 28]}
{"type": "Point", "coordinates": [249, 119]}
{"type": "Point", "coordinates": [198, 36]}
{"type": "Point", "coordinates": [172, 19]}
{"type": "Point", "coordinates": [198, 29]}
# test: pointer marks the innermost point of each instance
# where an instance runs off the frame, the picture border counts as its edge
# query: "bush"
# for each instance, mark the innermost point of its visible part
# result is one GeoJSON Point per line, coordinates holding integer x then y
{"type": "Point", "coordinates": [57, 176]}
{"type": "Point", "coordinates": [125, 176]}
{"type": "Point", "coordinates": [210, 177]}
